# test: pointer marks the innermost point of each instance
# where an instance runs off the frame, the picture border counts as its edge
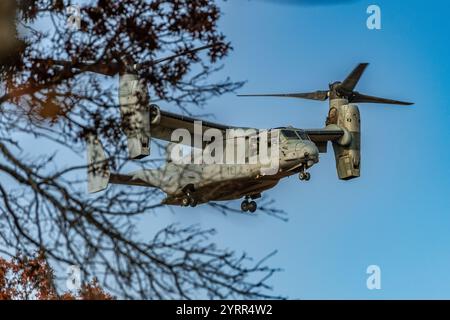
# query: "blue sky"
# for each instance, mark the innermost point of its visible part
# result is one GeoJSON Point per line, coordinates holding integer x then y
{"type": "Point", "coordinates": [397, 215]}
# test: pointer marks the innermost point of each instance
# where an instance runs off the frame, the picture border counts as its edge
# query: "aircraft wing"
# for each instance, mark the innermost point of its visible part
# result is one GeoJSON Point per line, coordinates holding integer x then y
{"type": "Point", "coordinates": [324, 135]}
{"type": "Point", "coordinates": [321, 136]}
{"type": "Point", "coordinates": [171, 121]}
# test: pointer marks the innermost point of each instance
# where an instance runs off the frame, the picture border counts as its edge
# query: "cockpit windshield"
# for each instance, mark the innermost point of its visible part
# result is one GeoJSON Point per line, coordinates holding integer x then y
{"type": "Point", "coordinates": [294, 134]}
{"type": "Point", "coordinates": [290, 134]}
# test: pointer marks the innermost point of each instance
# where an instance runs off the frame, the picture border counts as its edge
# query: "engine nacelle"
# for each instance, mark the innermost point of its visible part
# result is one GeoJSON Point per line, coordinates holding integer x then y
{"type": "Point", "coordinates": [135, 112]}
{"type": "Point", "coordinates": [347, 150]}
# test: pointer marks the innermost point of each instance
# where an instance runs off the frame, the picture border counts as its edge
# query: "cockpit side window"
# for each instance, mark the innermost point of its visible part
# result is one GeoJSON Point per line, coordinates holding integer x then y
{"type": "Point", "coordinates": [302, 135]}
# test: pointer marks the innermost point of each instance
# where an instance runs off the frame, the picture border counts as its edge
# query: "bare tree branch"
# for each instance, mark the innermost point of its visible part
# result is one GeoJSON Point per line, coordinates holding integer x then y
{"type": "Point", "coordinates": [43, 202]}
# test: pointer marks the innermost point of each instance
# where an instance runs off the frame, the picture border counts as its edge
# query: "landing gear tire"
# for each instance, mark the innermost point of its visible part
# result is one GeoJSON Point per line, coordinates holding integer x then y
{"type": "Point", "coordinates": [188, 198]}
{"type": "Point", "coordinates": [245, 205]}
{"type": "Point", "coordinates": [305, 176]}
{"type": "Point", "coordinates": [249, 206]}
{"type": "Point", "coordinates": [185, 201]}
{"type": "Point", "coordinates": [252, 206]}
{"type": "Point", "coordinates": [193, 203]}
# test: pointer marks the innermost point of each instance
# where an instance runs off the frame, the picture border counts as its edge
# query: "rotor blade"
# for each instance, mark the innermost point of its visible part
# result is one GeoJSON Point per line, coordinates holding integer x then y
{"type": "Point", "coordinates": [113, 68]}
{"type": "Point", "coordinates": [102, 68]}
{"type": "Point", "coordinates": [52, 62]}
{"type": "Point", "coordinates": [362, 98]}
{"type": "Point", "coordinates": [154, 62]}
{"type": "Point", "coordinates": [317, 95]}
{"type": "Point", "coordinates": [109, 69]}
{"type": "Point", "coordinates": [352, 79]}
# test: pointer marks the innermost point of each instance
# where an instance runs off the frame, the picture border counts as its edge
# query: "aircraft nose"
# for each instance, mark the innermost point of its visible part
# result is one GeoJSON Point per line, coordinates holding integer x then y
{"type": "Point", "coordinates": [304, 152]}
{"type": "Point", "coordinates": [310, 151]}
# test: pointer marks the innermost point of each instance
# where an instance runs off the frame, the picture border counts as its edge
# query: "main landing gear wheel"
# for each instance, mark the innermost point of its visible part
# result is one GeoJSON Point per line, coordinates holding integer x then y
{"type": "Point", "coordinates": [193, 203]}
{"type": "Point", "coordinates": [304, 176]}
{"type": "Point", "coordinates": [185, 201]}
{"type": "Point", "coordinates": [252, 206]}
{"type": "Point", "coordinates": [189, 201]}
{"type": "Point", "coordinates": [248, 206]}
{"type": "Point", "coordinates": [244, 205]}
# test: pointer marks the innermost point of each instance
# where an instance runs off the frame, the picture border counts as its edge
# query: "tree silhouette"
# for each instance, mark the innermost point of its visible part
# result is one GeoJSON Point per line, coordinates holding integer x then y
{"type": "Point", "coordinates": [43, 201]}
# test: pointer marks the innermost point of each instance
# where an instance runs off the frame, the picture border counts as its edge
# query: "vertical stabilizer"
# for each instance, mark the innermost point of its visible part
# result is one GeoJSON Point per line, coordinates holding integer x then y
{"type": "Point", "coordinates": [98, 169]}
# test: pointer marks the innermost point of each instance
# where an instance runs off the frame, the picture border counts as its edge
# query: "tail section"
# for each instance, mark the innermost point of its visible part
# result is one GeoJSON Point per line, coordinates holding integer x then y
{"type": "Point", "coordinates": [99, 175]}
{"type": "Point", "coordinates": [98, 169]}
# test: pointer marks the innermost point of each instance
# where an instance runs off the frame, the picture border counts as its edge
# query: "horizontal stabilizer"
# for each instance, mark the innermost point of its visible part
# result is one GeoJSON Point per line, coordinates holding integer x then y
{"type": "Point", "coordinates": [130, 180]}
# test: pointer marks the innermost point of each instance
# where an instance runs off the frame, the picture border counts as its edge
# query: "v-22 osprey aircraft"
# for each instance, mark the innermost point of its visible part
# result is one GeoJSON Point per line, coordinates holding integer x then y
{"type": "Point", "coordinates": [193, 184]}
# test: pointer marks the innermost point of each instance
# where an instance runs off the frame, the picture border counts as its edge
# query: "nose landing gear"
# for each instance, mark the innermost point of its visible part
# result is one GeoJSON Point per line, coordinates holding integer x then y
{"type": "Point", "coordinates": [304, 176]}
